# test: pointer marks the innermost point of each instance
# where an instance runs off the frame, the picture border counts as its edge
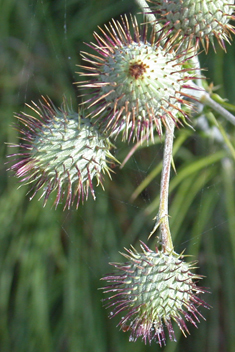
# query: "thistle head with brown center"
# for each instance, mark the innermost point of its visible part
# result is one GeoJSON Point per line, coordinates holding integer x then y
{"type": "Point", "coordinates": [133, 85]}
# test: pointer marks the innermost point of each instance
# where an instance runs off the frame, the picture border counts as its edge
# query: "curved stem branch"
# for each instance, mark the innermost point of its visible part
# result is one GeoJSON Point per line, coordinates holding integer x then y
{"type": "Point", "coordinates": [206, 100]}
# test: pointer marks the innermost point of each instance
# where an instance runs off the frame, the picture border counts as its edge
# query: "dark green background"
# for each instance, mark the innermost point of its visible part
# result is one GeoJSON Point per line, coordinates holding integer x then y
{"type": "Point", "coordinates": [51, 261]}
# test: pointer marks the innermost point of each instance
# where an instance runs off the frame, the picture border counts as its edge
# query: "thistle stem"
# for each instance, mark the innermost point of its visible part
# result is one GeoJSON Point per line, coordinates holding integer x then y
{"type": "Point", "coordinates": [148, 14]}
{"type": "Point", "coordinates": [162, 216]}
{"type": "Point", "coordinates": [196, 64]}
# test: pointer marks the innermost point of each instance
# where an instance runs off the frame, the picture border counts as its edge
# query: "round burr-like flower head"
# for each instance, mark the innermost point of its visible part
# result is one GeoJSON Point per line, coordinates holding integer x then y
{"type": "Point", "coordinates": [60, 151]}
{"type": "Point", "coordinates": [133, 85]}
{"type": "Point", "coordinates": [189, 22]}
{"type": "Point", "coordinates": [150, 291]}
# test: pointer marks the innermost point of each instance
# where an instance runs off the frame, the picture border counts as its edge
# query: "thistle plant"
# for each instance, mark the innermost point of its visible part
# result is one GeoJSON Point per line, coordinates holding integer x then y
{"type": "Point", "coordinates": [142, 80]}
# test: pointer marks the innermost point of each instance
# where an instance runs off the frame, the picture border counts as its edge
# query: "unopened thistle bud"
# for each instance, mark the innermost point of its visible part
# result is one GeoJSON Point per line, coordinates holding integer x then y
{"type": "Point", "coordinates": [150, 291]}
{"type": "Point", "coordinates": [188, 22]}
{"type": "Point", "coordinates": [133, 84]}
{"type": "Point", "coordinates": [61, 152]}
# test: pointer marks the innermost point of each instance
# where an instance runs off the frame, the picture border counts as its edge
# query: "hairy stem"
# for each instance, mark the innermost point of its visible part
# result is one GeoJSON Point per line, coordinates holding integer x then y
{"type": "Point", "coordinates": [162, 216]}
{"type": "Point", "coordinates": [148, 14]}
{"type": "Point", "coordinates": [196, 64]}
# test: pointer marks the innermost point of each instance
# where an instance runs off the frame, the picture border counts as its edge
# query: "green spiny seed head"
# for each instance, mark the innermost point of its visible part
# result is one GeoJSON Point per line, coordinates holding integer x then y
{"type": "Point", "coordinates": [133, 85]}
{"type": "Point", "coordinates": [189, 22]}
{"type": "Point", "coordinates": [154, 288]}
{"type": "Point", "coordinates": [63, 152]}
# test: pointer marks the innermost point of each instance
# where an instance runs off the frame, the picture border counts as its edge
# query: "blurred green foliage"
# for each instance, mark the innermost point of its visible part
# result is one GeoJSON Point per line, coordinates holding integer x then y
{"type": "Point", "coordinates": [51, 261]}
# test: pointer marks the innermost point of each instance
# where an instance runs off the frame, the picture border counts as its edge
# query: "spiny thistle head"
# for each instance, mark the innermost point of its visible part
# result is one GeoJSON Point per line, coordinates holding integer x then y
{"type": "Point", "coordinates": [61, 152]}
{"type": "Point", "coordinates": [133, 84]}
{"type": "Point", "coordinates": [188, 22]}
{"type": "Point", "coordinates": [154, 288]}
